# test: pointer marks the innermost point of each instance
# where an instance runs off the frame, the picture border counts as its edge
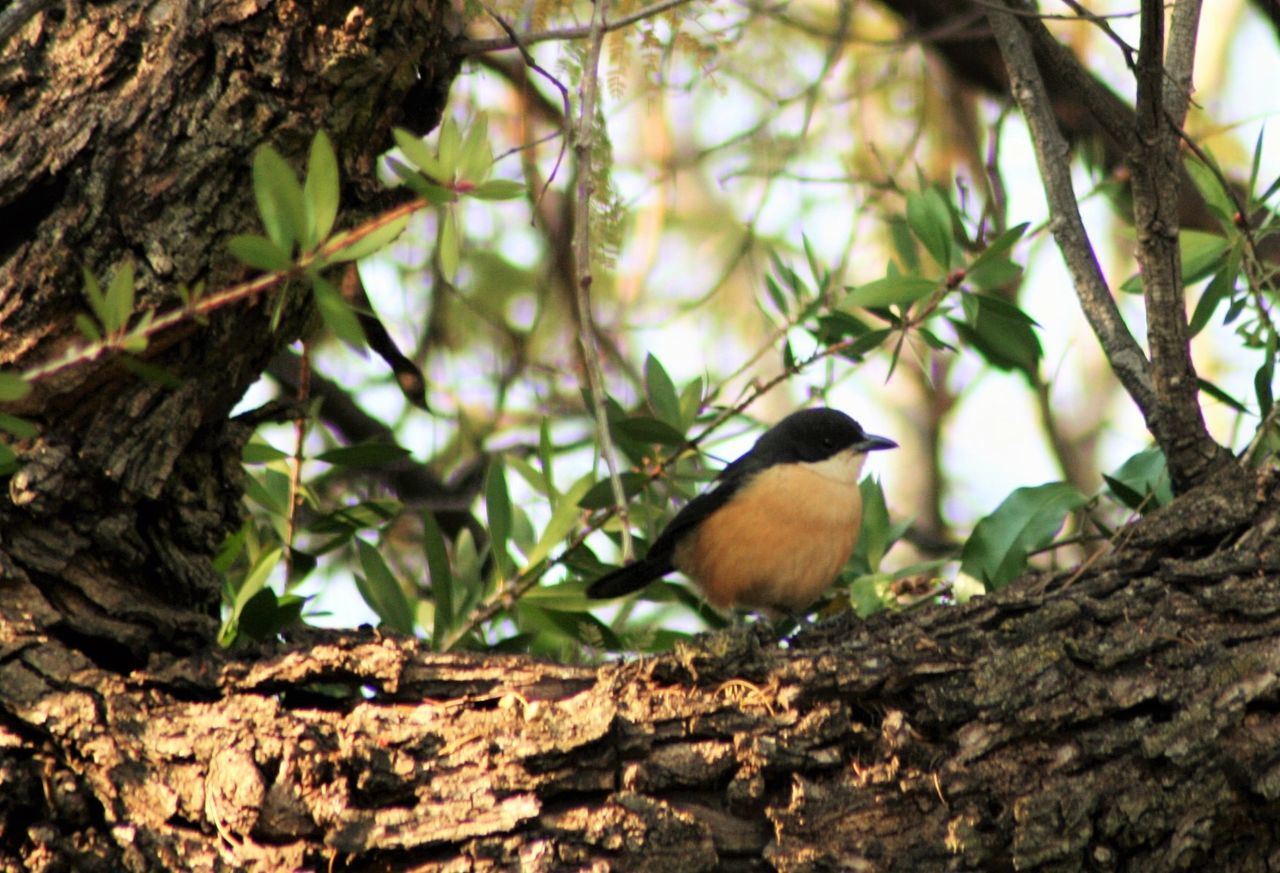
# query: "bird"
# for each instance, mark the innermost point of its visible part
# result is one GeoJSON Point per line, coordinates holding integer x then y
{"type": "Point", "coordinates": [777, 526]}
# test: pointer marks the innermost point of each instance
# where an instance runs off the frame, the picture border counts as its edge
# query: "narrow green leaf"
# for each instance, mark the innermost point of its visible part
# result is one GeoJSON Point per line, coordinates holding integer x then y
{"type": "Point", "coordinates": [891, 290]}
{"type": "Point", "coordinates": [497, 501]}
{"type": "Point", "coordinates": [259, 252]}
{"type": "Point", "coordinates": [119, 299]}
{"type": "Point", "coordinates": [258, 452]}
{"type": "Point", "coordinates": [1265, 377]}
{"type": "Point", "coordinates": [661, 391]}
{"type": "Point", "coordinates": [88, 327]}
{"type": "Point", "coordinates": [449, 149]}
{"type": "Point", "coordinates": [279, 196]}
{"type": "Point", "coordinates": [1221, 396]}
{"type": "Point", "coordinates": [905, 246]}
{"type": "Point", "coordinates": [1143, 475]}
{"type": "Point", "coordinates": [418, 154]}
{"type": "Point", "coordinates": [648, 430]}
{"type": "Point", "coordinates": [546, 458]}
{"type": "Point", "coordinates": [1206, 182]}
{"type": "Point", "coordinates": [993, 269]}
{"type": "Point", "coordinates": [498, 189]}
{"type": "Point", "coordinates": [367, 454]}
{"type": "Point", "coordinates": [19, 427]}
{"type": "Point", "coordinates": [562, 521]}
{"type": "Point", "coordinates": [337, 313]}
{"type": "Point", "coordinates": [600, 495]}
{"type": "Point", "coordinates": [1221, 287]}
{"type": "Point", "coordinates": [13, 386]}
{"type": "Point", "coordinates": [690, 403]}
{"type": "Point", "coordinates": [374, 241]}
{"type": "Point", "coordinates": [1001, 332]}
{"type": "Point", "coordinates": [255, 579]}
{"type": "Point", "coordinates": [930, 221]}
{"type": "Point", "coordinates": [448, 247]}
{"type": "Point", "coordinates": [322, 189]}
{"type": "Point", "coordinates": [1027, 519]}
{"type": "Point", "coordinates": [873, 540]}
{"type": "Point", "coordinates": [382, 591]}
{"type": "Point", "coordinates": [437, 555]}
{"type": "Point", "coordinates": [476, 155]}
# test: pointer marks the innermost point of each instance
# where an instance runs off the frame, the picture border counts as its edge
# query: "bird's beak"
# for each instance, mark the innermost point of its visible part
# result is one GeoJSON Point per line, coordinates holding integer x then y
{"type": "Point", "coordinates": [873, 443]}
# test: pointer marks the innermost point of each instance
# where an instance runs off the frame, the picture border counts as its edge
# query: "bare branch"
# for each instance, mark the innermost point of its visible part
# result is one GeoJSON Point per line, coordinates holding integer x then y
{"type": "Point", "coordinates": [1053, 156]}
{"type": "Point", "coordinates": [1156, 162]}
{"type": "Point", "coordinates": [497, 44]}
{"type": "Point", "coordinates": [583, 143]}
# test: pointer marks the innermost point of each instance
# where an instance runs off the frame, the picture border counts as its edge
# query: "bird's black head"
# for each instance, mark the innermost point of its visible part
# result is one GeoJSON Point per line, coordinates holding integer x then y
{"type": "Point", "coordinates": [813, 435]}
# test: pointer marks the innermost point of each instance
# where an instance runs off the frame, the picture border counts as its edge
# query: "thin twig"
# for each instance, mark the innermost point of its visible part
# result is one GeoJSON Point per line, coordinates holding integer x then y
{"type": "Point", "coordinates": [1052, 155]}
{"type": "Point", "coordinates": [497, 44]}
{"type": "Point", "coordinates": [584, 142]}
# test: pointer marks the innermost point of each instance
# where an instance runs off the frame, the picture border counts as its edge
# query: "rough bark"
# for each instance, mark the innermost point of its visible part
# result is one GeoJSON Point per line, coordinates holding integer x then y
{"type": "Point", "coordinates": [1122, 718]}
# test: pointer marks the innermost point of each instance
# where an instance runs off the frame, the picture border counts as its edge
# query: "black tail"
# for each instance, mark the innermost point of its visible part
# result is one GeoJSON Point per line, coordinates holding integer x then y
{"type": "Point", "coordinates": [630, 578]}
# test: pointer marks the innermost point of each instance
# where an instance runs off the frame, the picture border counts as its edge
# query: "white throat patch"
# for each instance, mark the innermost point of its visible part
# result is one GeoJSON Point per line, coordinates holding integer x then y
{"type": "Point", "coordinates": [843, 467]}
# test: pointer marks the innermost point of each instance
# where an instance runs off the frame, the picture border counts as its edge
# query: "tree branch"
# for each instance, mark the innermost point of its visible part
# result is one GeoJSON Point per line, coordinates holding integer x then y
{"type": "Point", "coordinates": [1052, 155]}
{"type": "Point", "coordinates": [497, 44]}
{"type": "Point", "coordinates": [1162, 99]}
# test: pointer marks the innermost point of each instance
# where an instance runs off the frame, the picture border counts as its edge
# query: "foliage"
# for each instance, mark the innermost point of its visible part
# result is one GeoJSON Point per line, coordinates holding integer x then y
{"type": "Point", "coordinates": [749, 255]}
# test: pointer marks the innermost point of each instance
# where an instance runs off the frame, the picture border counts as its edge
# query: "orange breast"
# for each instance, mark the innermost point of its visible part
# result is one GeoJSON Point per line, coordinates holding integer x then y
{"type": "Point", "coordinates": [778, 543]}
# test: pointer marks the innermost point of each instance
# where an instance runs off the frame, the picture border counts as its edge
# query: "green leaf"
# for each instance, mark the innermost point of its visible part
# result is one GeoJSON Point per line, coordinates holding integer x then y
{"type": "Point", "coordinates": [449, 149]}
{"type": "Point", "coordinates": [1027, 519]}
{"type": "Point", "coordinates": [259, 252]}
{"type": "Point", "coordinates": [119, 299]}
{"type": "Point", "coordinates": [930, 221]}
{"type": "Point", "coordinates": [1221, 287]}
{"type": "Point", "coordinates": [1206, 182]}
{"type": "Point", "coordinates": [1202, 254]}
{"type": "Point", "coordinates": [891, 290]}
{"type": "Point", "coordinates": [581, 627]}
{"type": "Point", "coordinates": [437, 555]}
{"type": "Point", "coordinates": [382, 591]}
{"type": "Point", "coordinates": [600, 495]}
{"type": "Point", "coordinates": [87, 327]}
{"type": "Point", "coordinates": [253, 582]}
{"type": "Point", "coordinates": [322, 189]}
{"type": "Point", "coordinates": [644, 429]}
{"type": "Point", "coordinates": [258, 452]}
{"type": "Point", "coordinates": [337, 313]}
{"type": "Point", "coordinates": [374, 241]}
{"type": "Point", "coordinates": [1142, 481]}
{"type": "Point", "coordinates": [905, 246]}
{"type": "Point", "coordinates": [992, 268]}
{"type": "Point", "coordinates": [869, 594]}
{"type": "Point", "coordinates": [873, 541]}
{"type": "Point", "coordinates": [999, 331]}
{"type": "Point", "coordinates": [97, 301]}
{"type": "Point", "coordinates": [690, 403]}
{"type": "Point", "coordinates": [498, 189]}
{"type": "Point", "coordinates": [1265, 377]}
{"type": "Point", "coordinates": [279, 196]}
{"type": "Point", "coordinates": [448, 247]}
{"type": "Point", "coordinates": [19, 427]}
{"type": "Point", "coordinates": [265, 616]}
{"type": "Point", "coordinates": [418, 154]}
{"type": "Point", "coordinates": [366, 454]}
{"type": "Point", "coordinates": [562, 522]}
{"type": "Point", "coordinates": [1221, 396]}
{"type": "Point", "coordinates": [476, 156]}
{"type": "Point", "coordinates": [13, 387]}
{"type": "Point", "coordinates": [497, 502]}
{"type": "Point", "coordinates": [661, 392]}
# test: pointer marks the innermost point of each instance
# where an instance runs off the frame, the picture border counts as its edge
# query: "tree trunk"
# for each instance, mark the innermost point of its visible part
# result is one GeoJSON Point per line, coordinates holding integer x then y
{"type": "Point", "coordinates": [1125, 717]}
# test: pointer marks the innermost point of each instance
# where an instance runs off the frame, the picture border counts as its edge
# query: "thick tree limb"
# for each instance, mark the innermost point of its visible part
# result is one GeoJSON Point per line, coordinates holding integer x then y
{"type": "Point", "coordinates": [1177, 424]}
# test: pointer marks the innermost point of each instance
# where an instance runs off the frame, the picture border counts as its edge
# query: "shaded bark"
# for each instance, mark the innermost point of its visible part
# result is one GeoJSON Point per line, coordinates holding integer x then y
{"type": "Point", "coordinates": [1122, 718]}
